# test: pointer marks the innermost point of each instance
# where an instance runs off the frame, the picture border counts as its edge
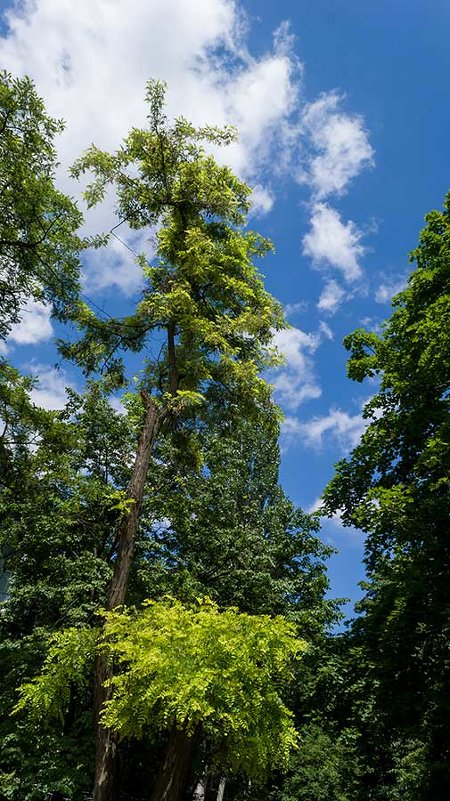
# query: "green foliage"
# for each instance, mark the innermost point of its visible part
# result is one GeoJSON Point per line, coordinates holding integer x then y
{"type": "Point", "coordinates": [394, 486]}
{"type": "Point", "coordinates": [325, 767]}
{"type": "Point", "coordinates": [185, 667]}
{"type": "Point", "coordinates": [59, 499]}
{"type": "Point", "coordinates": [38, 242]}
{"type": "Point", "coordinates": [204, 302]}
{"type": "Point", "coordinates": [228, 531]}
{"type": "Point", "coordinates": [215, 521]}
{"type": "Point", "coordinates": [70, 655]}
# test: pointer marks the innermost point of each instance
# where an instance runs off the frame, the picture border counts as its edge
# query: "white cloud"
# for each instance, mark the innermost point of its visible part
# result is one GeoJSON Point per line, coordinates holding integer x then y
{"type": "Point", "coordinates": [259, 99]}
{"type": "Point", "coordinates": [262, 200]}
{"type": "Point", "coordinates": [341, 143]}
{"type": "Point", "coordinates": [34, 325]}
{"type": "Point", "coordinates": [371, 324]}
{"type": "Point", "coordinates": [292, 309]}
{"type": "Point", "coordinates": [116, 265]}
{"type": "Point", "coordinates": [325, 329]}
{"type": "Point", "coordinates": [333, 530]}
{"type": "Point", "coordinates": [50, 390]}
{"type": "Point", "coordinates": [317, 506]}
{"type": "Point", "coordinates": [331, 297]}
{"type": "Point", "coordinates": [290, 426]}
{"type": "Point", "coordinates": [386, 290]}
{"type": "Point", "coordinates": [297, 382]}
{"type": "Point", "coordinates": [314, 506]}
{"type": "Point", "coordinates": [333, 243]}
{"type": "Point", "coordinates": [343, 428]}
{"type": "Point", "coordinates": [91, 60]}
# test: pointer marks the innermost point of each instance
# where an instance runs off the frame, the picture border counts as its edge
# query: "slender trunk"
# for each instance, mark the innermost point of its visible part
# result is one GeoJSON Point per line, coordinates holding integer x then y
{"type": "Point", "coordinates": [106, 740]}
{"type": "Point", "coordinates": [200, 791]}
{"type": "Point", "coordinates": [172, 360]}
{"type": "Point", "coordinates": [221, 789]}
{"type": "Point", "coordinates": [126, 531]}
{"type": "Point", "coordinates": [173, 779]}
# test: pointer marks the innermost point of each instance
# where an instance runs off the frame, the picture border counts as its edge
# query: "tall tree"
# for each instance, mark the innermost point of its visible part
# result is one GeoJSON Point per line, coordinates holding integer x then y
{"type": "Point", "coordinates": [205, 305]}
{"type": "Point", "coordinates": [395, 487]}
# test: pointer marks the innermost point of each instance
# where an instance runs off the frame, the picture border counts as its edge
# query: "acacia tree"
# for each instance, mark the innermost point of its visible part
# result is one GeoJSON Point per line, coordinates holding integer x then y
{"type": "Point", "coordinates": [204, 304]}
{"type": "Point", "coordinates": [395, 487]}
{"type": "Point", "coordinates": [187, 670]}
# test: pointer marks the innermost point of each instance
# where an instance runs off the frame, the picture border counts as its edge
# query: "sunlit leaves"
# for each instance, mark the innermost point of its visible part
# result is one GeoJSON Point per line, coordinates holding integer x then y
{"type": "Point", "coordinates": [186, 667]}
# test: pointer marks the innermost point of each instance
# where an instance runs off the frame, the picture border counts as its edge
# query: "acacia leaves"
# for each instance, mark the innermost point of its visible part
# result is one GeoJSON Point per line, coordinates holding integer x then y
{"type": "Point", "coordinates": [66, 667]}
{"type": "Point", "coordinates": [197, 667]}
{"type": "Point", "coordinates": [203, 294]}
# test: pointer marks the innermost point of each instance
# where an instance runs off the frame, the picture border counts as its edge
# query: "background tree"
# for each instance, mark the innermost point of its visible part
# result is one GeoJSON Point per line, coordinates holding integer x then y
{"type": "Point", "coordinates": [59, 501]}
{"type": "Point", "coordinates": [228, 530]}
{"type": "Point", "coordinates": [39, 245]}
{"type": "Point", "coordinates": [395, 487]}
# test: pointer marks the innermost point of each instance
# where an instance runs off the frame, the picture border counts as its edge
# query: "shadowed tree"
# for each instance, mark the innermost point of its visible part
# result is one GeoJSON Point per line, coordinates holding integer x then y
{"type": "Point", "coordinates": [395, 487]}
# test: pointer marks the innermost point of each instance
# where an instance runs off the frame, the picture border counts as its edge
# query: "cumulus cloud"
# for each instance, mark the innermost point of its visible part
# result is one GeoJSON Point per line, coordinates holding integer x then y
{"type": "Point", "coordinates": [337, 426]}
{"type": "Point", "coordinates": [330, 242]}
{"type": "Point", "coordinates": [116, 264]}
{"type": "Point", "coordinates": [333, 529]}
{"type": "Point", "coordinates": [34, 325]}
{"type": "Point", "coordinates": [262, 200]}
{"type": "Point", "coordinates": [388, 289]}
{"type": "Point", "coordinates": [91, 60]}
{"type": "Point", "coordinates": [51, 384]}
{"type": "Point", "coordinates": [341, 144]}
{"type": "Point", "coordinates": [331, 297]}
{"type": "Point", "coordinates": [296, 382]}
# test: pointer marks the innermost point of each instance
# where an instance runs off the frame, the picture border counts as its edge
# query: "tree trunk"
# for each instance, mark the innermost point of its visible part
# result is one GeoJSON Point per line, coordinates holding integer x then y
{"type": "Point", "coordinates": [173, 779]}
{"type": "Point", "coordinates": [106, 740]}
{"type": "Point", "coordinates": [200, 791]}
{"type": "Point", "coordinates": [221, 789]}
{"type": "Point", "coordinates": [127, 528]}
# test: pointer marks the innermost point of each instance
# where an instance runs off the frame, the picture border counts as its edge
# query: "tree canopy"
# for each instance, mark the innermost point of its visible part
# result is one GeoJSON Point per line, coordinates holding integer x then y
{"type": "Point", "coordinates": [161, 585]}
{"type": "Point", "coordinates": [39, 243]}
{"type": "Point", "coordinates": [395, 486]}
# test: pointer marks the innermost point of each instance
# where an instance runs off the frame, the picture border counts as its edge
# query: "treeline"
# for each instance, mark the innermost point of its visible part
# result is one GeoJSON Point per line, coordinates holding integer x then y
{"type": "Point", "coordinates": [164, 631]}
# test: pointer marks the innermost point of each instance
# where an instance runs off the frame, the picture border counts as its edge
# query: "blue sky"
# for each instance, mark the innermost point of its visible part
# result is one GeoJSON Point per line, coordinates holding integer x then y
{"type": "Point", "coordinates": [343, 108]}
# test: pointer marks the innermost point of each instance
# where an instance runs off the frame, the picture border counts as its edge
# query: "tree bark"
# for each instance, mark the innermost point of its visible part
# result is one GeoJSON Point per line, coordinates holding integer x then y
{"type": "Point", "coordinates": [106, 739]}
{"type": "Point", "coordinates": [221, 789]}
{"type": "Point", "coordinates": [200, 791]}
{"type": "Point", "coordinates": [173, 779]}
